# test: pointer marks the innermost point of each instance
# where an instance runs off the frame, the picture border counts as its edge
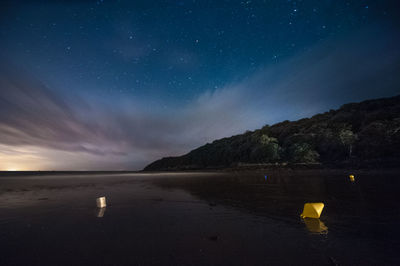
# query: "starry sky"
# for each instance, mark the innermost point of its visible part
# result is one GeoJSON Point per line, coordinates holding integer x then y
{"type": "Point", "coordinates": [114, 85]}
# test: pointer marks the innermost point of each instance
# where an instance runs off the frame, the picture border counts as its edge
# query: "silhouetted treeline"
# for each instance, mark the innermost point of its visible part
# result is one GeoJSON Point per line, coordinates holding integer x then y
{"type": "Point", "coordinates": [366, 133]}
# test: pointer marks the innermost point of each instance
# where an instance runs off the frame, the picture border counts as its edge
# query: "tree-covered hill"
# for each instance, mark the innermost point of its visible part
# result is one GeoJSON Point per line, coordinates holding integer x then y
{"type": "Point", "coordinates": [356, 134]}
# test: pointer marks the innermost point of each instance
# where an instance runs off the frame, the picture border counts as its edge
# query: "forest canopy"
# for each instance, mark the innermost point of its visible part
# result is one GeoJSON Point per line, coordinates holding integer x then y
{"type": "Point", "coordinates": [356, 134]}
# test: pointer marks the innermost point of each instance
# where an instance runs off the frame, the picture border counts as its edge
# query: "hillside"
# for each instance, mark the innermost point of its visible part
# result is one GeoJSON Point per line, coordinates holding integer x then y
{"type": "Point", "coordinates": [359, 134]}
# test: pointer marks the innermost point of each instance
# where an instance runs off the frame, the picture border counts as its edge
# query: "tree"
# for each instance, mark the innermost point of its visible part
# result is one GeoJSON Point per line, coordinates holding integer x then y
{"type": "Point", "coordinates": [347, 138]}
{"type": "Point", "coordinates": [266, 149]}
{"type": "Point", "coordinates": [270, 147]}
{"type": "Point", "coordinates": [303, 153]}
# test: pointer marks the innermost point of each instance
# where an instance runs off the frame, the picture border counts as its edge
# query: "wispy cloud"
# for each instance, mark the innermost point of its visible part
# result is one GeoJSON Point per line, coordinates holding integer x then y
{"type": "Point", "coordinates": [40, 128]}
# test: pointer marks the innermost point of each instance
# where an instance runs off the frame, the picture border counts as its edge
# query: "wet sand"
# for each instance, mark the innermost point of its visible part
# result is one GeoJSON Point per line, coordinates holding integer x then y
{"type": "Point", "coordinates": [236, 218]}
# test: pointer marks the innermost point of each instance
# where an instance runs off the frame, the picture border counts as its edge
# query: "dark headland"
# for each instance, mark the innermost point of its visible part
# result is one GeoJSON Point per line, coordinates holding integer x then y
{"type": "Point", "coordinates": [364, 135]}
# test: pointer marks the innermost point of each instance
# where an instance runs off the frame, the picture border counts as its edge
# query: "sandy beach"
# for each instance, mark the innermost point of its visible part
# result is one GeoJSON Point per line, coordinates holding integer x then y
{"type": "Point", "coordinates": [235, 218]}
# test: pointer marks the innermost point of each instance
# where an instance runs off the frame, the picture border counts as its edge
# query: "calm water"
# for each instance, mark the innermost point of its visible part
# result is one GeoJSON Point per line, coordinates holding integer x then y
{"type": "Point", "coordinates": [236, 218]}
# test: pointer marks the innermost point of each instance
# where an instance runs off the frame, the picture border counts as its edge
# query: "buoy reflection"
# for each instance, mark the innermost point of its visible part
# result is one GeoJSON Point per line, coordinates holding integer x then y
{"type": "Point", "coordinates": [315, 225]}
{"type": "Point", "coordinates": [100, 212]}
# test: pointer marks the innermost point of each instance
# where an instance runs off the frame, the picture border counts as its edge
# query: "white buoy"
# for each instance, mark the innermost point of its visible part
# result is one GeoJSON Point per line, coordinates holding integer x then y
{"type": "Point", "coordinates": [101, 202]}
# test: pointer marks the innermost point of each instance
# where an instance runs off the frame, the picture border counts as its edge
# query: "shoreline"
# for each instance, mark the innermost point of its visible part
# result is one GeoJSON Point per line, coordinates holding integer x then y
{"type": "Point", "coordinates": [290, 167]}
{"type": "Point", "coordinates": [241, 168]}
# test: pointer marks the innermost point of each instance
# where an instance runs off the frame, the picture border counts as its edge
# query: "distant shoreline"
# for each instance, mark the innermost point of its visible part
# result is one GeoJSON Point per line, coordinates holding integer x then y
{"type": "Point", "coordinates": [368, 166]}
{"type": "Point", "coordinates": [18, 173]}
{"type": "Point", "coordinates": [376, 165]}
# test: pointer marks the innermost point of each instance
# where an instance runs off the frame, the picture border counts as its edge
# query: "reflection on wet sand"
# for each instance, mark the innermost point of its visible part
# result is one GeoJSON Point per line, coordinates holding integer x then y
{"type": "Point", "coordinates": [200, 219]}
{"type": "Point", "coordinates": [100, 212]}
{"type": "Point", "coordinates": [315, 225]}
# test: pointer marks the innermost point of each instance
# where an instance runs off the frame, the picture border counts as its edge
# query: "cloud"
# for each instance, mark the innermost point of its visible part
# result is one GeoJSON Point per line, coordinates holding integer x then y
{"type": "Point", "coordinates": [31, 114]}
{"type": "Point", "coordinates": [42, 129]}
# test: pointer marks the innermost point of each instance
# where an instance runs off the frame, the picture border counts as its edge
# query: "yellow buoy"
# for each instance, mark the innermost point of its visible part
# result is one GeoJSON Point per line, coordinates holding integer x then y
{"type": "Point", "coordinates": [312, 210]}
{"type": "Point", "coordinates": [351, 177]}
{"type": "Point", "coordinates": [315, 226]}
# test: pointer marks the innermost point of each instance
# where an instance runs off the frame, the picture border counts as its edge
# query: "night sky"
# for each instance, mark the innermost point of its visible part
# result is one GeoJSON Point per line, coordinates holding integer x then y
{"type": "Point", "coordinates": [114, 85]}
